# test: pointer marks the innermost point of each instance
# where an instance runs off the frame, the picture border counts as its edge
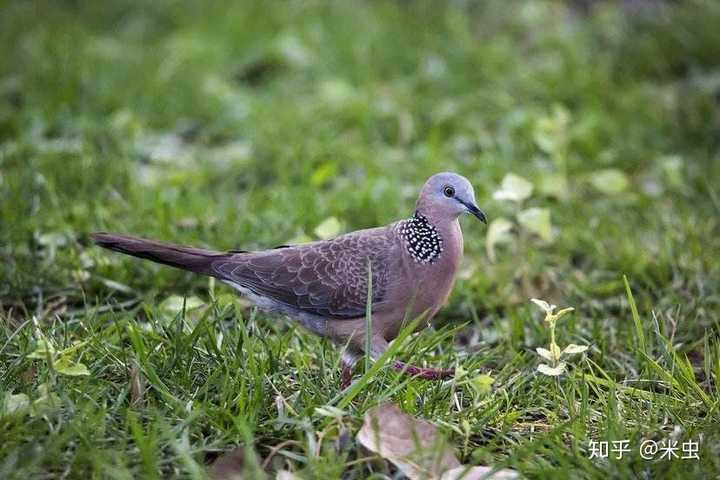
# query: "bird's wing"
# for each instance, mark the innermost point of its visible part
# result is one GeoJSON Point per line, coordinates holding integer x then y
{"type": "Point", "coordinates": [327, 278]}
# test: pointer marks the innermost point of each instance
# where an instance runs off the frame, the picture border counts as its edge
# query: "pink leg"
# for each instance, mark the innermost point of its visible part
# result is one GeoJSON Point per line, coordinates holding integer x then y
{"type": "Point", "coordinates": [424, 373]}
{"type": "Point", "coordinates": [345, 375]}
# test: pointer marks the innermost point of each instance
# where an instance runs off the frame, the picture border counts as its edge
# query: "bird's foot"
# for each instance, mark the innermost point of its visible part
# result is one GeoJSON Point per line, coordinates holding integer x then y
{"type": "Point", "coordinates": [345, 376]}
{"type": "Point", "coordinates": [402, 367]}
{"type": "Point", "coordinates": [424, 373]}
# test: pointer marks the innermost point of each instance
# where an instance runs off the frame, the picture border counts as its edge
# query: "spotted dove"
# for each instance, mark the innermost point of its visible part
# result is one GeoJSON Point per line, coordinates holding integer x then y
{"type": "Point", "coordinates": [323, 285]}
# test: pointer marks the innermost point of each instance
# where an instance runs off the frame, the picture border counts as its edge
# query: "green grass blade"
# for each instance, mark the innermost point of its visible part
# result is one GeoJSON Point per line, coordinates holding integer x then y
{"type": "Point", "coordinates": [639, 331]}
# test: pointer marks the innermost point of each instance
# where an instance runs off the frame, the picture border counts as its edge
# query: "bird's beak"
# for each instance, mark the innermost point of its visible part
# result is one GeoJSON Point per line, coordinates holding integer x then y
{"type": "Point", "coordinates": [472, 208]}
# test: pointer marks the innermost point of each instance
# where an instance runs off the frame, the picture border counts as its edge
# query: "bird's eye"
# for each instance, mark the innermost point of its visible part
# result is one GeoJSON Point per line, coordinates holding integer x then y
{"type": "Point", "coordinates": [449, 191]}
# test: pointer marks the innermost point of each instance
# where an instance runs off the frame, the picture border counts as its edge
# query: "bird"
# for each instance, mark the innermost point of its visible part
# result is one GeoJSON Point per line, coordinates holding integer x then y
{"type": "Point", "coordinates": [408, 267]}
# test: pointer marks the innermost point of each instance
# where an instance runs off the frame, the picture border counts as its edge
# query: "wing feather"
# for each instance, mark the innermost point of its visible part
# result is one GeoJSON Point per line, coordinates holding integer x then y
{"type": "Point", "coordinates": [327, 278]}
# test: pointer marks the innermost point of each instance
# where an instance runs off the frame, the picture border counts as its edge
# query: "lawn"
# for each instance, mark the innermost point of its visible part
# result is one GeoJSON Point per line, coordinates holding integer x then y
{"type": "Point", "coordinates": [591, 135]}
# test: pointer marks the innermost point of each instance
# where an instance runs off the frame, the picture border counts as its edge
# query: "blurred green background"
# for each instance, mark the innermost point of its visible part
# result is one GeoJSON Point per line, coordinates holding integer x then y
{"type": "Point", "coordinates": [252, 124]}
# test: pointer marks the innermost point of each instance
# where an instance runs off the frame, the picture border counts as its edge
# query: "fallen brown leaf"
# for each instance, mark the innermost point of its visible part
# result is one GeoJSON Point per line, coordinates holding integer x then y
{"type": "Point", "coordinates": [413, 445]}
{"type": "Point", "coordinates": [479, 473]}
{"type": "Point", "coordinates": [231, 465]}
{"type": "Point", "coordinates": [417, 448]}
{"type": "Point", "coordinates": [237, 464]}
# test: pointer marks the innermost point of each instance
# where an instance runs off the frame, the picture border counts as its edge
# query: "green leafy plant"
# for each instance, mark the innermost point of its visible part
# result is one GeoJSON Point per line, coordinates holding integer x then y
{"type": "Point", "coordinates": [59, 360]}
{"type": "Point", "coordinates": [554, 355]}
{"type": "Point", "coordinates": [20, 403]}
{"type": "Point", "coordinates": [534, 221]}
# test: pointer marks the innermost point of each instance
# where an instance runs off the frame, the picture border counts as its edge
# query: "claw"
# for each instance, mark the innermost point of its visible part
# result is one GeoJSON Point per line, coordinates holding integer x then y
{"type": "Point", "coordinates": [345, 376]}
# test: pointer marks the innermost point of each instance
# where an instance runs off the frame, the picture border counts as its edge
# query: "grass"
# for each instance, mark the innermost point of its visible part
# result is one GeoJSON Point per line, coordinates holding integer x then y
{"type": "Point", "coordinates": [250, 124]}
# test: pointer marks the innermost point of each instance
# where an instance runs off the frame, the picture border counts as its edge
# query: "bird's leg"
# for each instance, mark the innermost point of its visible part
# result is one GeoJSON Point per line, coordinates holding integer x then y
{"type": "Point", "coordinates": [379, 345]}
{"type": "Point", "coordinates": [348, 362]}
{"type": "Point", "coordinates": [424, 373]}
{"type": "Point", "coordinates": [345, 376]}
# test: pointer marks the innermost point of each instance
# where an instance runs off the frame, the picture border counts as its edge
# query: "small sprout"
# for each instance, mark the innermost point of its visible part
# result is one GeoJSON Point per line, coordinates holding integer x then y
{"type": "Point", "coordinates": [482, 384]}
{"type": "Point", "coordinates": [554, 355]}
{"type": "Point", "coordinates": [59, 360]}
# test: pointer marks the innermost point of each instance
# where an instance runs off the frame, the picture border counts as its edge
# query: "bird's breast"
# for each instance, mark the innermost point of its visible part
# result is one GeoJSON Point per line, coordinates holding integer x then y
{"type": "Point", "coordinates": [434, 281]}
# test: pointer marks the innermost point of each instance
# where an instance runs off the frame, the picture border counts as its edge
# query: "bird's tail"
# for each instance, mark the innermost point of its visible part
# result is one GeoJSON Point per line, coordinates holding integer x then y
{"type": "Point", "coordinates": [193, 259]}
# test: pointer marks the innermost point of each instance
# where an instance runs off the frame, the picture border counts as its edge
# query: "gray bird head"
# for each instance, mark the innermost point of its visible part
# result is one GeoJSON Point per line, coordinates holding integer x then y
{"type": "Point", "coordinates": [448, 195]}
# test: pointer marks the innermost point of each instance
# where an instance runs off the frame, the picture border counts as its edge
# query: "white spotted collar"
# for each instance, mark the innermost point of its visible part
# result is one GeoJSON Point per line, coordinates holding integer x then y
{"type": "Point", "coordinates": [422, 239]}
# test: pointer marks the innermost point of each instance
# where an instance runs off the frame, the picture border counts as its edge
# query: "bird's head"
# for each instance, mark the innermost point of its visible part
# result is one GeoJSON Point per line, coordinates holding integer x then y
{"type": "Point", "coordinates": [448, 195]}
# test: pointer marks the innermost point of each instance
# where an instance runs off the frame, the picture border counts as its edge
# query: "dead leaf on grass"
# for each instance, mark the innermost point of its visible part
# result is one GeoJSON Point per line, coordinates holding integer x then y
{"type": "Point", "coordinates": [417, 448]}
{"type": "Point", "coordinates": [231, 465]}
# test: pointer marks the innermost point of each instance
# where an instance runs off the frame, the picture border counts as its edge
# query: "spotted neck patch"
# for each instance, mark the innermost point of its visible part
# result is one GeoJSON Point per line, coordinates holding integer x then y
{"type": "Point", "coordinates": [422, 240]}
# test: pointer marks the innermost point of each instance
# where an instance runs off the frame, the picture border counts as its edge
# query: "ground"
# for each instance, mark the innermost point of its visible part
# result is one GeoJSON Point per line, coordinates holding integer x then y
{"type": "Point", "coordinates": [248, 125]}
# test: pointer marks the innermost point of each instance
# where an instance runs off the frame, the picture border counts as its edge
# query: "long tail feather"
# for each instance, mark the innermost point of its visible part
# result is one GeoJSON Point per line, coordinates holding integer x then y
{"type": "Point", "coordinates": [193, 259]}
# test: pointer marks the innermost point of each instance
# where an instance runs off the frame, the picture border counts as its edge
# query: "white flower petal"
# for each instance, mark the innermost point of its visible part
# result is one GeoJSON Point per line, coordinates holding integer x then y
{"type": "Point", "coordinates": [551, 371]}
{"type": "Point", "coordinates": [545, 306]}
{"type": "Point", "coordinates": [572, 349]}
{"type": "Point", "coordinates": [545, 353]}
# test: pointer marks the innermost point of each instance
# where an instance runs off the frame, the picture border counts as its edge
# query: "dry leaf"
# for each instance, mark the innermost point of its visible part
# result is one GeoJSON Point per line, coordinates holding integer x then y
{"type": "Point", "coordinates": [415, 446]}
{"type": "Point", "coordinates": [229, 466]}
{"type": "Point", "coordinates": [479, 473]}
